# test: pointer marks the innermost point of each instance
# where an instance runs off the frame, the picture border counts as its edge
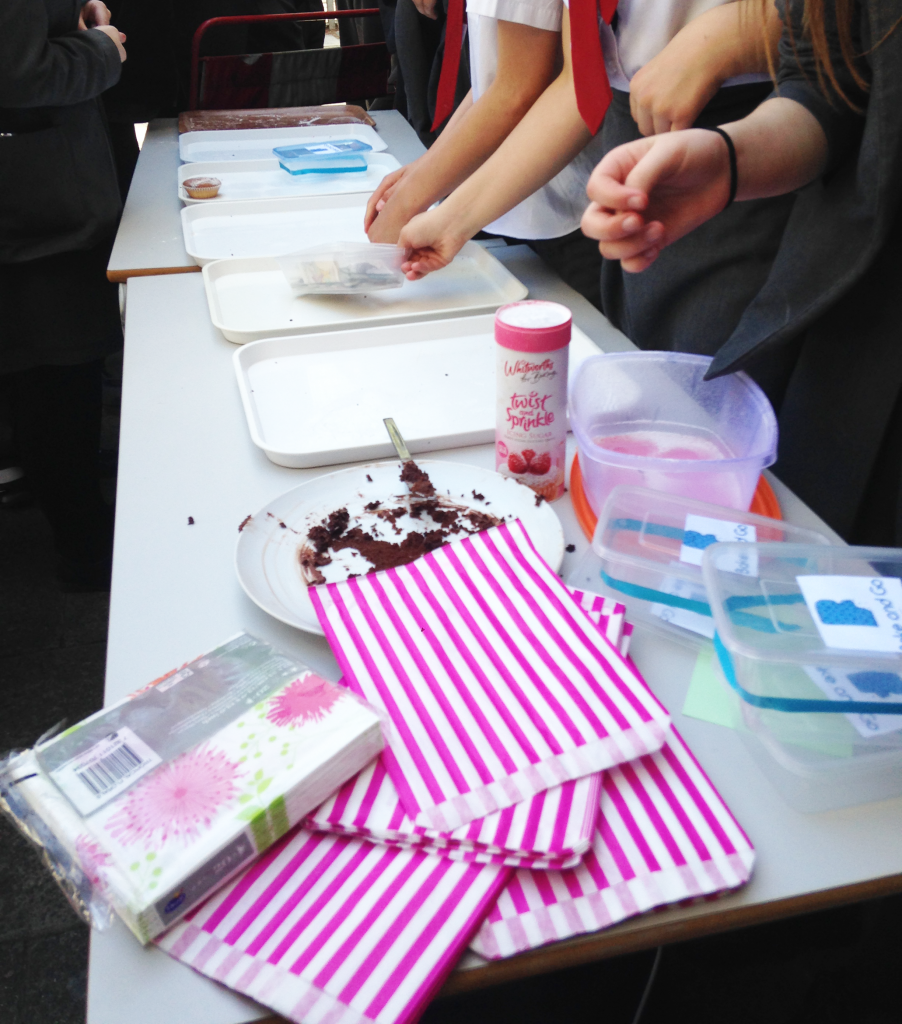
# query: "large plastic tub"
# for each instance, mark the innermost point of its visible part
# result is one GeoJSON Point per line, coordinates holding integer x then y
{"type": "Point", "coordinates": [812, 642]}
{"type": "Point", "coordinates": [649, 419]}
{"type": "Point", "coordinates": [647, 551]}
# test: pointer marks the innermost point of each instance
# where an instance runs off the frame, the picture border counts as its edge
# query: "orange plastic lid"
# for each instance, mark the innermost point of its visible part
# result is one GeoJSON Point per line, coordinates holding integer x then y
{"type": "Point", "coordinates": [764, 503]}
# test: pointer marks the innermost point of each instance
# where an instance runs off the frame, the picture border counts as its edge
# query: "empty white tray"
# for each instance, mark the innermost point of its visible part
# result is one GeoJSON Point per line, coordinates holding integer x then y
{"type": "Point", "coordinates": [271, 227]}
{"type": "Point", "coordinates": [250, 299]}
{"type": "Point", "coordinates": [320, 399]}
{"type": "Point", "coordinates": [265, 179]}
{"type": "Point", "coordinates": [258, 143]}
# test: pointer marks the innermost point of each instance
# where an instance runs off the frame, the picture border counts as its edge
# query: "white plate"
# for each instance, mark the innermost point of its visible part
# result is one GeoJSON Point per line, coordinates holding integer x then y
{"type": "Point", "coordinates": [265, 179]}
{"type": "Point", "coordinates": [266, 557]}
{"type": "Point", "coordinates": [319, 399]}
{"type": "Point", "coordinates": [250, 299]}
{"type": "Point", "coordinates": [258, 143]}
{"type": "Point", "coordinates": [271, 227]}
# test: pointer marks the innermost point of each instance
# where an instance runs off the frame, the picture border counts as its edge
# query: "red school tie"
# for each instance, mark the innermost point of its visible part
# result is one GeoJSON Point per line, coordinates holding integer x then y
{"type": "Point", "coordinates": [590, 79]}
{"type": "Point", "coordinates": [447, 83]}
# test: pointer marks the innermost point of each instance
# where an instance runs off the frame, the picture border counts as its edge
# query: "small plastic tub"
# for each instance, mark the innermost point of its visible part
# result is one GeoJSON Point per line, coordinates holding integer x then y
{"type": "Point", "coordinates": [647, 552]}
{"type": "Point", "coordinates": [812, 643]}
{"type": "Point", "coordinates": [344, 156]}
{"type": "Point", "coordinates": [649, 419]}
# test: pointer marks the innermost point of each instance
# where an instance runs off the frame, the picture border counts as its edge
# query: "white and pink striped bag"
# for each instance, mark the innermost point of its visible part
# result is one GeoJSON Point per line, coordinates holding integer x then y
{"type": "Point", "coordinates": [332, 930]}
{"type": "Point", "coordinates": [496, 684]}
{"type": "Point", "coordinates": [664, 835]}
{"type": "Point", "coordinates": [551, 830]}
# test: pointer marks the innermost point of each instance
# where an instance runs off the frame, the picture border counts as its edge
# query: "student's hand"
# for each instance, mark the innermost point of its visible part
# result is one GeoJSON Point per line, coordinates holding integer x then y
{"type": "Point", "coordinates": [427, 8]}
{"type": "Point", "coordinates": [430, 243]}
{"type": "Point", "coordinates": [382, 195]}
{"type": "Point", "coordinates": [94, 14]}
{"type": "Point", "coordinates": [673, 88]}
{"type": "Point", "coordinates": [114, 34]}
{"type": "Point", "coordinates": [649, 193]}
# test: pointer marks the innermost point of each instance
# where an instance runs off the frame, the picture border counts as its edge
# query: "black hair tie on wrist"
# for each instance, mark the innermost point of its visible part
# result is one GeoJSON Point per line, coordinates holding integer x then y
{"type": "Point", "coordinates": [734, 174]}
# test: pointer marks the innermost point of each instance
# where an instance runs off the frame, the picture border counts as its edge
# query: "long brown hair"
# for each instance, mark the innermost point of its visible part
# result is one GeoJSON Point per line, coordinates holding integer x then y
{"type": "Point", "coordinates": [814, 27]}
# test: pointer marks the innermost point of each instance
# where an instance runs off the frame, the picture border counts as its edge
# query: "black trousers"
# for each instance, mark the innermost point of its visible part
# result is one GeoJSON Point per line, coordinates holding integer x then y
{"type": "Point", "coordinates": [56, 413]}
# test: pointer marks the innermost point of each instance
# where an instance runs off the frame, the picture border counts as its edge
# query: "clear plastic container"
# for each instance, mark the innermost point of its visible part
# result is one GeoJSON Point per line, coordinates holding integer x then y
{"type": "Point", "coordinates": [647, 552]}
{"type": "Point", "coordinates": [339, 156]}
{"type": "Point", "coordinates": [649, 419]}
{"type": "Point", "coordinates": [343, 268]}
{"type": "Point", "coordinates": [812, 642]}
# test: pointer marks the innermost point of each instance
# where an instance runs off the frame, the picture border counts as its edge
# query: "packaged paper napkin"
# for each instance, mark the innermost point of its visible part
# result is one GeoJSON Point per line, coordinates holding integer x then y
{"type": "Point", "coordinates": [150, 805]}
{"type": "Point", "coordinates": [343, 268]}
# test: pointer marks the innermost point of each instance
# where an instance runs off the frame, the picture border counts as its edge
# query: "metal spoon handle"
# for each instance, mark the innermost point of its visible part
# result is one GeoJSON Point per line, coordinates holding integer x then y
{"type": "Point", "coordinates": [397, 440]}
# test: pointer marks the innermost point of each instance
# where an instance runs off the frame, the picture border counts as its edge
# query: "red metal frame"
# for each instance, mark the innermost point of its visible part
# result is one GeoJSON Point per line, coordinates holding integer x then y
{"type": "Point", "coordinates": [247, 19]}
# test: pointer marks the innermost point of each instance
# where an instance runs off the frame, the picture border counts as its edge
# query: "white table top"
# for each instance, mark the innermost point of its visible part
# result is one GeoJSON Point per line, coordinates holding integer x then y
{"type": "Point", "coordinates": [185, 451]}
{"type": "Point", "coordinates": [150, 232]}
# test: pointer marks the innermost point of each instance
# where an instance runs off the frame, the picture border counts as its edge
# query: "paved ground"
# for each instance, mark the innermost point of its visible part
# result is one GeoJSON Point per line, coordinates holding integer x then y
{"type": "Point", "coordinates": [837, 967]}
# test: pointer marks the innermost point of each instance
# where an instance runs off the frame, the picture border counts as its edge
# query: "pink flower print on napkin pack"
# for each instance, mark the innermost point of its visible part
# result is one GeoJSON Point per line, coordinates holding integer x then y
{"type": "Point", "coordinates": [664, 835]}
{"type": "Point", "coordinates": [333, 929]}
{"type": "Point", "coordinates": [496, 684]}
{"type": "Point", "coordinates": [165, 796]}
{"type": "Point", "coordinates": [551, 830]}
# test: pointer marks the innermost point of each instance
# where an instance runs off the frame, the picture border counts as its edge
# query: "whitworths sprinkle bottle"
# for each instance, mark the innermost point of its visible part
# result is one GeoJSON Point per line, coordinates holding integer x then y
{"type": "Point", "coordinates": [533, 340]}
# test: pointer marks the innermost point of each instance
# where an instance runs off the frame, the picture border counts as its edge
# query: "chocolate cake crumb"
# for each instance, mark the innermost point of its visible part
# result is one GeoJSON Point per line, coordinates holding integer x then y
{"type": "Point", "coordinates": [191, 520]}
{"type": "Point", "coordinates": [417, 480]}
{"type": "Point", "coordinates": [369, 478]}
{"type": "Point", "coordinates": [570, 548]}
{"type": "Point", "coordinates": [477, 496]}
{"type": "Point", "coordinates": [539, 499]}
{"type": "Point", "coordinates": [373, 505]}
{"type": "Point", "coordinates": [244, 522]}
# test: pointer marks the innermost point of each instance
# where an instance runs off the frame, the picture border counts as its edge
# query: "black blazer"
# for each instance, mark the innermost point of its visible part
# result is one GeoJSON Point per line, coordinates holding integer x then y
{"type": "Point", "coordinates": [58, 189]}
{"type": "Point", "coordinates": [832, 304]}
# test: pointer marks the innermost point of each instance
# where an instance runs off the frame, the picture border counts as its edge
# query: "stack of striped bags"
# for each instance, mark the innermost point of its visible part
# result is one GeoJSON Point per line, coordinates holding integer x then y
{"type": "Point", "coordinates": [532, 789]}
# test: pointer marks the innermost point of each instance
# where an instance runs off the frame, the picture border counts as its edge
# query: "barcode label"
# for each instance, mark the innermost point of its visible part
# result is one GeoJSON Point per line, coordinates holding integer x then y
{"type": "Point", "coordinates": [105, 770]}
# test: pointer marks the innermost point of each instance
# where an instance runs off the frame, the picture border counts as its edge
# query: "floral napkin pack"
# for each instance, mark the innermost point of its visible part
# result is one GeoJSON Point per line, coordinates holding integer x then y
{"type": "Point", "coordinates": [154, 803]}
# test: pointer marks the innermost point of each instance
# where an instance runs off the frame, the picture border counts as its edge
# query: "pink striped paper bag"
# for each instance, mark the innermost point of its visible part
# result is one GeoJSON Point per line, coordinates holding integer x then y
{"type": "Point", "coordinates": [550, 830]}
{"type": "Point", "coordinates": [496, 684]}
{"type": "Point", "coordinates": [664, 835]}
{"type": "Point", "coordinates": [332, 930]}
{"type": "Point", "coordinates": [605, 612]}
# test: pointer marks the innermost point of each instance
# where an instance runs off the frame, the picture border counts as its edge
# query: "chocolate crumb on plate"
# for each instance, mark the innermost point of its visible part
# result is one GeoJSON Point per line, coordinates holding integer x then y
{"type": "Point", "coordinates": [478, 496]}
{"type": "Point", "coordinates": [438, 518]}
{"type": "Point", "coordinates": [417, 480]}
{"type": "Point", "coordinates": [244, 522]}
{"type": "Point", "coordinates": [570, 548]}
{"type": "Point", "coordinates": [191, 520]}
{"type": "Point", "coordinates": [369, 478]}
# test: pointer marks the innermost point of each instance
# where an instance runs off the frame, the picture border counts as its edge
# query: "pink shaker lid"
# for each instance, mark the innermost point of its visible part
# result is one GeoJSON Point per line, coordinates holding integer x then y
{"type": "Point", "coordinates": [533, 326]}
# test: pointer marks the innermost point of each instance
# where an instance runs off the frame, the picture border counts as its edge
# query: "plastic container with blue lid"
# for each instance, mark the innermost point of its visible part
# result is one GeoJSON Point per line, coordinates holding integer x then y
{"type": "Point", "coordinates": [647, 552]}
{"type": "Point", "coordinates": [811, 641]}
{"type": "Point", "coordinates": [337, 156]}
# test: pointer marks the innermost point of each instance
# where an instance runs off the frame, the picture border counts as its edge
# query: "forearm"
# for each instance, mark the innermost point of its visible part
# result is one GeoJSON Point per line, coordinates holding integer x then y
{"type": "Point", "coordinates": [780, 147]}
{"type": "Point", "coordinates": [36, 71]}
{"type": "Point", "coordinates": [541, 146]}
{"type": "Point", "coordinates": [738, 38]}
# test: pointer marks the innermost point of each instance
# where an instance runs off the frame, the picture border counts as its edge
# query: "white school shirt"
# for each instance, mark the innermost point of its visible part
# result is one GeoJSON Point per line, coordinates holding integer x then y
{"type": "Point", "coordinates": [556, 208]}
{"type": "Point", "coordinates": [644, 28]}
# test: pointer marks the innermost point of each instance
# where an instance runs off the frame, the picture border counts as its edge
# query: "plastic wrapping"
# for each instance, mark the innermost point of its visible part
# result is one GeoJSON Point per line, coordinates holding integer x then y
{"type": "Point", "coordinates": [150, 805]}
{"type": "Point", "coordinates": [343, 268]}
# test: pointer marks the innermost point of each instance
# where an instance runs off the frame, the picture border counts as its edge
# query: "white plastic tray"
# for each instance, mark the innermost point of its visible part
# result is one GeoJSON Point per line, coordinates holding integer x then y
{"type": "Point", "coordinates": [319, 399]}
{"type": "Point", "coordinates": [250, 299]}
{"type": "Point", "coordinates": [265, 179]}
{"type": "Point", "coordinates": [271, 227]}
{"type": "Point", "coordinates": [258, 143]}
